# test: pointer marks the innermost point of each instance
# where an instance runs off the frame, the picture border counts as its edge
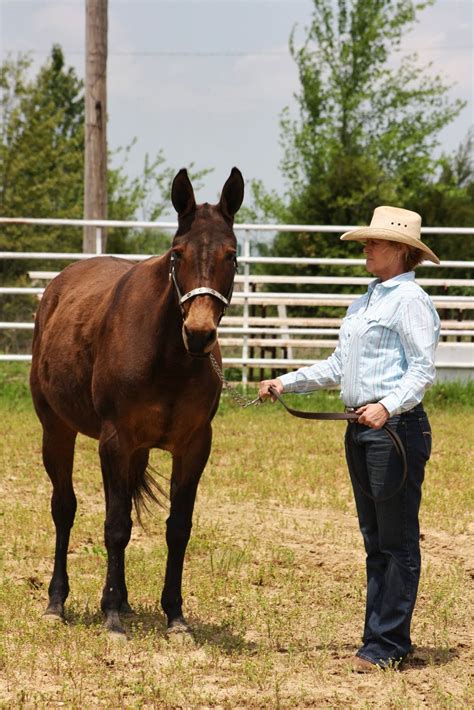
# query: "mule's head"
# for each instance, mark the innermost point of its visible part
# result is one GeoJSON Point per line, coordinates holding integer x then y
{"type": "Point", "coordinates": [204, 259]}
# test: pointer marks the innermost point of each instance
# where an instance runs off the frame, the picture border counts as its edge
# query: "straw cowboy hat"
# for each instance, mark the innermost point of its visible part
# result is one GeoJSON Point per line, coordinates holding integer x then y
{"type": "Point", "coordinates": [396, 225]}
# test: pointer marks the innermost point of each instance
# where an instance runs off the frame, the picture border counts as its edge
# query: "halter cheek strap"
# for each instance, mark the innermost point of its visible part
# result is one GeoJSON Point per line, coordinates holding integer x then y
{"type": "Point", "coordinates": [200, 290]}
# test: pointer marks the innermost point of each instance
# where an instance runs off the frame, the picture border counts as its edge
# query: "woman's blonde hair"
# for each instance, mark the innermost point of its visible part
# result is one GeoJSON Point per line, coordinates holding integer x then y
{"type": "Point", "coordinates": [413, 257]}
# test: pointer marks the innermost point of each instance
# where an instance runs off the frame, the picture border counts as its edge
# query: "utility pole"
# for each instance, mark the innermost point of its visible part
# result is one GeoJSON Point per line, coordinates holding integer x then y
{"type": "Point", "coordinates": [95, 138]}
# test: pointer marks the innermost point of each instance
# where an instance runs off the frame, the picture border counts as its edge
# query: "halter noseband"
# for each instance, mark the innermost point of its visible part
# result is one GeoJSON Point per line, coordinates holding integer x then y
{"type": "Point", "coordinates": [200, 290]}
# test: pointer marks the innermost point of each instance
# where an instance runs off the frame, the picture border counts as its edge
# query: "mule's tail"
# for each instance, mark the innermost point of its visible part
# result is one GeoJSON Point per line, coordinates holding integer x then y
{"type": "Point", "coordinates": [148, 490]}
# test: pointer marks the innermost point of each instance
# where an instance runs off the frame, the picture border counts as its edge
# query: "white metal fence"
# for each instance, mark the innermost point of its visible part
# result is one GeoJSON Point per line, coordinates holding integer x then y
{"type": "Point", "coordinates": [276, 339]}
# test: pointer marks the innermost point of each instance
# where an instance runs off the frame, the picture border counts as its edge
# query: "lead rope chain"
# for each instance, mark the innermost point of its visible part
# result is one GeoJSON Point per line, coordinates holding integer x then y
{"type": "Point", "coordinates": [236, 396]}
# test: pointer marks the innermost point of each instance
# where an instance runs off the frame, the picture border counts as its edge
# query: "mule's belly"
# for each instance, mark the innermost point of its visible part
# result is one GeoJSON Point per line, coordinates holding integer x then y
{"type": "Point", "coordinates": [65, 374]}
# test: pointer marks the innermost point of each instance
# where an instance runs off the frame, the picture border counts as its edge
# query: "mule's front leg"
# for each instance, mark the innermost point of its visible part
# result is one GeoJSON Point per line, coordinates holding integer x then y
{"type": "Point", "coordinates": [117, 529]}
{"type": "Point", "coordinates": [185, 477]}
{"type": "Point", "coordinates": [178, 531]}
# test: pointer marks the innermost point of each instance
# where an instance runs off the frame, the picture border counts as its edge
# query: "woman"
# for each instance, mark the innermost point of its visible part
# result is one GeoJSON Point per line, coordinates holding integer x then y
{"type": "Point", "coordinates": [384, 362]}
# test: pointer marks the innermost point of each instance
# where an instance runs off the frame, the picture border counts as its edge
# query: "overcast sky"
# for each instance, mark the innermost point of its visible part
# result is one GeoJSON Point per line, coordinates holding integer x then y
{"type": "Point", "coordinates": [206, 80]}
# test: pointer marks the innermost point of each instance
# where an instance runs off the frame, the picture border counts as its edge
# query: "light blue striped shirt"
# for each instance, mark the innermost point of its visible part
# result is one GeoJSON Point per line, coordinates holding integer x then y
{"type": "Point", "coordinates": [386, 349]}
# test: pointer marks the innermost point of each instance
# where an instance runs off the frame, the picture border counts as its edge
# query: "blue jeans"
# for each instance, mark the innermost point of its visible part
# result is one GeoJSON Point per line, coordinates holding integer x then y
{"type": "Point", "coordinates": [390, 528]}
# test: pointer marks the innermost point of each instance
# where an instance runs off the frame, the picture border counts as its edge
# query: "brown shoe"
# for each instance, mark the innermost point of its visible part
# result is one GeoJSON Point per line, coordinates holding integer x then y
{"type": "Point", "coordinates": [360, 665]}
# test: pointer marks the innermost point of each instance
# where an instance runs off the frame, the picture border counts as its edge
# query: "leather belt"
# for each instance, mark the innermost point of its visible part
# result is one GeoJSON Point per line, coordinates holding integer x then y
{"type": "Point", "coordinates": [353, 409]}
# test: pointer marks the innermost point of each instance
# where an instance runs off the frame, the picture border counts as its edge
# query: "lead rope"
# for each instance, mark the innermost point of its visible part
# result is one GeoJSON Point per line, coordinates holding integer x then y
{"type": "Point", "coordinates": [347, 416]}
{"type": "Point", "coordinates": [352, 417]}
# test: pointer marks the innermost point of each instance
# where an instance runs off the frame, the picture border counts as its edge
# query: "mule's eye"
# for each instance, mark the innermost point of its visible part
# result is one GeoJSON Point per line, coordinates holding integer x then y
{"type": "Point", "coordinates": [231, 256]}
{"type": "Point", "coordinates": [176, 254]}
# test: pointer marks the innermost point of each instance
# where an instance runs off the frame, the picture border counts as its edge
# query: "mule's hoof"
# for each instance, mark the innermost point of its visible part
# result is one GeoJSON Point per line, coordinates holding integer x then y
{"type": "Point", "coordinates": [114, 626]}
{"type": "Point", "coordinates": [178, 626]}
{"type": "Point", "coordinates": [179, 632]}
{"type": "Point", "coordinates": [51, 618]}
{"type": "Point", "coordinates": [54, 614]}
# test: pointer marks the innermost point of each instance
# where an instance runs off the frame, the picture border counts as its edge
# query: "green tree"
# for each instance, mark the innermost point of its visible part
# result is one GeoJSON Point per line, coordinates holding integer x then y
{"type": "Point", "coordinates": [41, 143]}
{"type": "Point", "coordinates": [42, 140]}
{"type": "Point", "coordinates": [42, 159]}
{"type": "Point", "coordinates": [449, 201]}
{"type": "Point", "coordinates": [144, 197]}
{"type": "Point", "coordinates": [42, 175]}
{"type": "Point", "coordinates": [368, 125]}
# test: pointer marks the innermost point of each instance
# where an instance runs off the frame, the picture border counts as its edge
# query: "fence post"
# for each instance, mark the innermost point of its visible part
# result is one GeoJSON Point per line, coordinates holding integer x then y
{"type": "Point", "coordinates": [246, 313]}
{"type": "Point", "coordinates": [98, 240]}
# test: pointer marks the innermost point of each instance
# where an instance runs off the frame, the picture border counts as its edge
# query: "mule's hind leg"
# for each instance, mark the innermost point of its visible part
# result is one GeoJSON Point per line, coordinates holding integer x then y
{"type": "Point", "coordinates": [136, 476]}
{"type": "Point", "coordinates": [185, 477]}
{"type": "Point", "coordinates": [58, 456]}
{"type": "Point", "coordinates": [115, 462]}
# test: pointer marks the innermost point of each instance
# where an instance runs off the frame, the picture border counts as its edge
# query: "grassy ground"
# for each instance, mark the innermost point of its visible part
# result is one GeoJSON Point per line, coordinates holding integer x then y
{"type": "Point", "coordinates": [274, 577]}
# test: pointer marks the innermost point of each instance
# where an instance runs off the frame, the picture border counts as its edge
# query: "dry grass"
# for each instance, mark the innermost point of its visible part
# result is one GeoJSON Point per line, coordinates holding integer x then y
{"type": "Point", "coordinates": [274, 579]}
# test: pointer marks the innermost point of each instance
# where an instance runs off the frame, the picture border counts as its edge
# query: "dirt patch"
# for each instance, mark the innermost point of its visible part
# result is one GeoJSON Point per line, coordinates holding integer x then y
{"type": "Point", "coordinates": [277, 614]}
{"type": "Point", "coordinates": [331, 542]}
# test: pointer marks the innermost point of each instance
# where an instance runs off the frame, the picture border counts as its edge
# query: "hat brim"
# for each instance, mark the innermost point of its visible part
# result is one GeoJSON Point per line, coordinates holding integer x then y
{"type": "Point", "coordinates": [360, 235]}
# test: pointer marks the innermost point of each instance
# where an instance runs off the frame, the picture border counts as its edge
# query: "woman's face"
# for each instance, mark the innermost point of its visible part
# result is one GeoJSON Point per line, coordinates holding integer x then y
{"type": "Point", "coordinates": [383, 258]}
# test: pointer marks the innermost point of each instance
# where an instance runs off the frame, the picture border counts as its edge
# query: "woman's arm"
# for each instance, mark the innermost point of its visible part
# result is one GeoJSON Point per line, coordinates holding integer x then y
{"type": "Point", "coordinates": [322, 374]}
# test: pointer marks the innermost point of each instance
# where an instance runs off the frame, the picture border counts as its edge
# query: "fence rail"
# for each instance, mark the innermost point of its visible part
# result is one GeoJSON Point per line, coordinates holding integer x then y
{"type": "Point", "coordinates": [251, 341]}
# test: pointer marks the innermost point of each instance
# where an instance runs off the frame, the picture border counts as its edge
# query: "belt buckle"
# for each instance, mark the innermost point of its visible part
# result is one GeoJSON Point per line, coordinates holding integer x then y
{"type": "Point", "coordinates": [351, 410]}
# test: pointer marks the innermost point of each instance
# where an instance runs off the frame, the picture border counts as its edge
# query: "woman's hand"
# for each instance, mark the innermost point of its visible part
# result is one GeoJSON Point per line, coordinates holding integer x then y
{"type": "Point", "coordinates": [372, 415]}
{"type": "Point", "coordinates": [264, 388]}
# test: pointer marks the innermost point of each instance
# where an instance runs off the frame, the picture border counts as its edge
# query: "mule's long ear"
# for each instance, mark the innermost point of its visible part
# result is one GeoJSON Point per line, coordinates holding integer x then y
{"type": "Point", "coordinates": [182, 193]}
{"type": "Point", "coordinates": [232, 194]}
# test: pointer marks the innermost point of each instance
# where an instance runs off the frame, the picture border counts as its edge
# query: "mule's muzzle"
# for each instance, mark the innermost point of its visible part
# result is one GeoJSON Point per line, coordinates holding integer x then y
{"type": "Point", "coordinates": [199, 342]}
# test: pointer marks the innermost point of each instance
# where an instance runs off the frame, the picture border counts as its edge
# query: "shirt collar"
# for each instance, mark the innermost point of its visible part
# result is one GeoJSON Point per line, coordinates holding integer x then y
{"type": "Point", "coordinates": [395, 281]}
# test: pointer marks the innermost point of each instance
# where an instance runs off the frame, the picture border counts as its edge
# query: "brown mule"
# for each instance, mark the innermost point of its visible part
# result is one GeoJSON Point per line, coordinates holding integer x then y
{"type": "Point", "coordinates": [120, 355]}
